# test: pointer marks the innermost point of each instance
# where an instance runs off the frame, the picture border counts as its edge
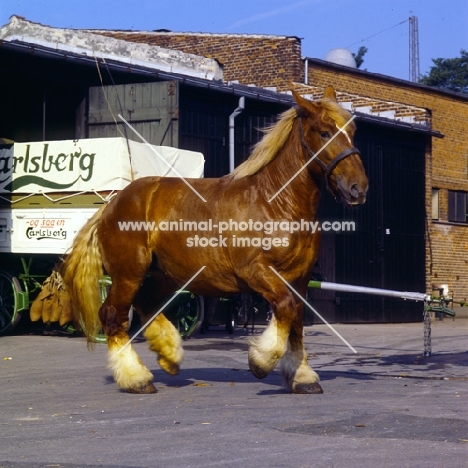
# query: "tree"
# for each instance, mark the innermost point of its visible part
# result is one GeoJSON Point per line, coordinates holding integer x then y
{"type": "Point", "coordinates": [359, 57]}
{"type": "Point", "coordinates": [450, 74]}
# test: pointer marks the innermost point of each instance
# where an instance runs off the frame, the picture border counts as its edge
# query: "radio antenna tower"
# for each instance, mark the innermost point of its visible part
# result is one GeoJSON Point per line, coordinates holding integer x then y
{"type": "Point", "coordinates": [413, 49]}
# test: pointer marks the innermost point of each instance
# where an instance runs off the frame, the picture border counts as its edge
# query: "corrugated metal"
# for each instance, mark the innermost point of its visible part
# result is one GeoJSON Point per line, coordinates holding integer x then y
{"type": "Point", "coordinates": [204, 127]}
{"type": "Point", "coordinates": [249, 130]}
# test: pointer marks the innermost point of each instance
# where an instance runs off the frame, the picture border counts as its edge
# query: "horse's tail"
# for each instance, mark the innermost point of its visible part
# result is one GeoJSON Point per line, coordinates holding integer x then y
{"type": "Point", "coordinates": [82, 271]}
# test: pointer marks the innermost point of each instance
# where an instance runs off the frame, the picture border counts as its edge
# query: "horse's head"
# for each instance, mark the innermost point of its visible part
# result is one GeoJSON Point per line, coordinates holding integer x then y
{"type": "Point", "coordinates": [326, 133]}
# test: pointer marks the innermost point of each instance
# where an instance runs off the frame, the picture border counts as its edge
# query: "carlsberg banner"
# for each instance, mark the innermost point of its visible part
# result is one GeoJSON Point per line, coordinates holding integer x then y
{"type": "Point", "coordinates": [95, 164]}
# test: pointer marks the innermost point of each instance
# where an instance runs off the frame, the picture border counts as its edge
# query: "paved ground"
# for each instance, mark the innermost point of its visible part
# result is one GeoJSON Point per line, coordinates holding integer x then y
{"type": "Point", "coordinates": [386, 406]}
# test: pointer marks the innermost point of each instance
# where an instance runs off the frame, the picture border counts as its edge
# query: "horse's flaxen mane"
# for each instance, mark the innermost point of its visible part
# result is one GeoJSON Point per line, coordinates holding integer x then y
{"type": "Point", "coordinates": [276, 135]}
{"type": "Point", "coordinates": [267, 148]}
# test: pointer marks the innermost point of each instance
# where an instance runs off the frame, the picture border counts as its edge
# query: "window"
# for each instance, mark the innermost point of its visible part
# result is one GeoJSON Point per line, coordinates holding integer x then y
{"type": "Point", "coordinates": [457, 207]}
{"type": "Point", "coordinates": [435, 203]}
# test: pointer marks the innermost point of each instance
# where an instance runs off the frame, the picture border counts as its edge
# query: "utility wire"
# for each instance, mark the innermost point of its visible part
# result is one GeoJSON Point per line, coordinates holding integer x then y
{"type": "Point", "coordinates": [376, 34]}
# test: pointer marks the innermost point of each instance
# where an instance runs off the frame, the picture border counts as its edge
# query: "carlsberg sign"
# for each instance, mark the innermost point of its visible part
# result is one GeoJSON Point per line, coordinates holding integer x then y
{"type": "Point", "coordinates": [95, 164]}
{"type": "Point", "coordinates": [64, 166]}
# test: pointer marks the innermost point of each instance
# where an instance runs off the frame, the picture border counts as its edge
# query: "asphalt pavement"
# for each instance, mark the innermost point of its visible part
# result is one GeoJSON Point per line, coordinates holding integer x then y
{"type": "Point", "coordinates": [385, 406]}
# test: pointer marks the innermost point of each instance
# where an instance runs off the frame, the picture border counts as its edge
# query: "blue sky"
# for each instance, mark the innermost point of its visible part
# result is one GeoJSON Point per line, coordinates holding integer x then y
{"type": "Point", "coordinates": [380, 25]}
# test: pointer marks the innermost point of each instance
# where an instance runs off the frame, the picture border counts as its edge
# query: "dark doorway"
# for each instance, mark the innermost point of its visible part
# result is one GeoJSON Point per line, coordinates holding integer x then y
{"type": "Point", "coordinates": [387, 248]}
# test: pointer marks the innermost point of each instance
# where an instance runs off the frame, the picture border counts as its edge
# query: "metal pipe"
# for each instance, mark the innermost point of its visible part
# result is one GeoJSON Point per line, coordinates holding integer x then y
{"type": "Point", "coordinates": [306, 70]}
{"type": "Point", "coordinates": [412, 296]}
{"type": "Point", "coordinates": [238, 110]}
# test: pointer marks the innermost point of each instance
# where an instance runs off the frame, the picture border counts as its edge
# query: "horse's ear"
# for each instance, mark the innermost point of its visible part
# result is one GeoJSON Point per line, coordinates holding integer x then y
{"type": "Point", "coordinates": [329, 93]}
{"type": "Point", "coordinates": [303, 102]}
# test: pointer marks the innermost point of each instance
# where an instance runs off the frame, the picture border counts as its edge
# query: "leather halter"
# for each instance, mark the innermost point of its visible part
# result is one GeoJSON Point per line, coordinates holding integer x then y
{"type": "Point", "coordinates": [327, 169]}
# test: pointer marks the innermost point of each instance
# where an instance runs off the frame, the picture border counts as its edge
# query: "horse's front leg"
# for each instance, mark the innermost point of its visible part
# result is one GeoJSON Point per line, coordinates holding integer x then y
{"type": "Point", "coordinates": [283, 339]}
{"type": "Point", "coordinates": [266, 350]}
{"type": "Point", "coordinates": [298, 375]}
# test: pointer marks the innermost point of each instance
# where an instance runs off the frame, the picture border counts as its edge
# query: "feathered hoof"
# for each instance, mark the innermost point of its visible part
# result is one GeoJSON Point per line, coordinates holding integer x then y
{"type": "Point", "coordinates": [170, 367]}
{"type": "Point", "coordinates": [147, 387]}
{"type": "Point", "coordinates": [308, 389]}
{"type": "Point", "coordinates": [261, 364]}
{"type": "Point", "coordinates": [257, 371]}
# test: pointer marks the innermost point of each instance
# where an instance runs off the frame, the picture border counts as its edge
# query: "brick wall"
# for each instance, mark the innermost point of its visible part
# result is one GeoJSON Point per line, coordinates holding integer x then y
{"type": "Point", "coordinates": [446, 163]}
{"type": "Point", "coordinates": [266, 61]}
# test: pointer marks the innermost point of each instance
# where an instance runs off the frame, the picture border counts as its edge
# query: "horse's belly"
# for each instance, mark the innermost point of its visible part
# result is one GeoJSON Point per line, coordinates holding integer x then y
{"type": "Point", "coordinates": [207, 267]}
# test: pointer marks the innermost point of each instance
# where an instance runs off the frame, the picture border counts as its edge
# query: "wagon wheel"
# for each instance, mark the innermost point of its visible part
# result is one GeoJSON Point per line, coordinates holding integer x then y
{"type": "Point", "coordinates": [186, 313]}
{"type": "Point", "coordinates": [104, 284]}
{"type": "Point", "coordinates": [10, 289]}
{"type": "Point", "coordinates": [100, 337]}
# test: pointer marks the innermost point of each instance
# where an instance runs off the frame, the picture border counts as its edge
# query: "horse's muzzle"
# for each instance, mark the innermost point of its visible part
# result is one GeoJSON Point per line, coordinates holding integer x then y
{"type": "Point", "coordinates": [355, 192]}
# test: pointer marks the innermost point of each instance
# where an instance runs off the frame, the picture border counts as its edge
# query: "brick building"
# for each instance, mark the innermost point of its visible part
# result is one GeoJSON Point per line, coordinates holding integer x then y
{"type": "Point", "coordinates": [266, 61]}
{"type": "Point", "coordinates": [276, 62]}
{"type": "Point", "coordinates": [446, 165]}
{"type": "Point", "coordinates": [413, 226]}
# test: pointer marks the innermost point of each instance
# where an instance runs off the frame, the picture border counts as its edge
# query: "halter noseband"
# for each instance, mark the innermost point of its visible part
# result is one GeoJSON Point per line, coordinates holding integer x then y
{"type": "Point", "coordinates": [331, 166]}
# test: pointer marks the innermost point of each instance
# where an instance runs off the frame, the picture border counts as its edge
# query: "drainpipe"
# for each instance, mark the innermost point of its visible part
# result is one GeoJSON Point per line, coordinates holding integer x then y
{"type": "Point", "coordinates": [239, 109]}
{"type": "Point", "coordinates": [306, 70]}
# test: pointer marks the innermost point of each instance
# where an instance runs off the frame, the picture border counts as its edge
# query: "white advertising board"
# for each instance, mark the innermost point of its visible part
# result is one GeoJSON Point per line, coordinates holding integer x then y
{"type": "Point", "coordinates": [73, 167]}
{"type": "Point", "coordinates": [88, 165]}
{"type": "Point", "coordinates": [42, 231]}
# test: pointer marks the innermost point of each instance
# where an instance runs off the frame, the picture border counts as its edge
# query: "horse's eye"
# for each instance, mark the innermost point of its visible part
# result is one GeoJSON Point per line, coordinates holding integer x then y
{"type": "Point", "coordinates": [325, 135]}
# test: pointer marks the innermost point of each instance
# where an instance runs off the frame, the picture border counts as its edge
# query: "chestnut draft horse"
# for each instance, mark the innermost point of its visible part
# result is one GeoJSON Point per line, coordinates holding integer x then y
{"type": "Point", "coordinates": [251, 234]}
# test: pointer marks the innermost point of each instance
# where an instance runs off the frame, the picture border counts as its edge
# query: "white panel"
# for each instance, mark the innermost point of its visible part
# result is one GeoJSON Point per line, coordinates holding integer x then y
{"type": "Point", "coordinates": [88, 165]}
{"type": "Point", "coordinates": [44, 230]}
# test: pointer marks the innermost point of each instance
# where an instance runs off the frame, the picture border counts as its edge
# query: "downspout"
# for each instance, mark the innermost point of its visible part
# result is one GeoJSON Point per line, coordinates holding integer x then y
{"type": "Point", "coordinates": [239, 109]}
{"type": "Point", "coordinates": [306, 70]}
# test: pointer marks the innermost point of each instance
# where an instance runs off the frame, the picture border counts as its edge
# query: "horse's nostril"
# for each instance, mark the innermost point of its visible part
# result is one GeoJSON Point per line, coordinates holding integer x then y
{"type": "Point", "coordinates": [354, 190]}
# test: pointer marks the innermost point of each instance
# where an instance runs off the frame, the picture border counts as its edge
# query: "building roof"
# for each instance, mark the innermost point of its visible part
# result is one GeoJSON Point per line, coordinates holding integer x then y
{"type": "Point", "coordinates": [386, 79]}
{"type": "Point", "coordinates": [25, 36]}
{"type": "Point", "coordinates": [372, 107]}
{"type": "Point", "coordinates": [97, 46]}
{"type": "Point", "coordinates": [91, 47]}
{"type": "Point", "coordinates": [163, 32]}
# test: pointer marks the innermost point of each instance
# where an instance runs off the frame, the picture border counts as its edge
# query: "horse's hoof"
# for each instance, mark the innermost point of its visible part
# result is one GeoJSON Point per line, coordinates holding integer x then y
{"type": "Point", "coordinates": [147, 387]}
{"type": "Point", "coordinates": [257, 371]}
{"type": "Point", "coordinates": [170, 367]}
{"type": "Point", "coordinates": [309, 388]}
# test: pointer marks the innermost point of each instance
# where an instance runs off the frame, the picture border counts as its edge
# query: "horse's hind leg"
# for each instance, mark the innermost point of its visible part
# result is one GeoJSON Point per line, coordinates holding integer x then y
{"type": "Point", "coordinates": [162, 336]}
{"type": "Point", "coordinates": [298, 375]}
{"type": "Point", "coordinates": [129, 372]}
{"type": "Point", "coordinates": [165, 340]}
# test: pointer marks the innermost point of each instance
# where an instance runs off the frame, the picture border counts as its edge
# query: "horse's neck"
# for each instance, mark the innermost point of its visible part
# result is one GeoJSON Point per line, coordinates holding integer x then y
{"type": "Point", "coordinates": [288, 182]}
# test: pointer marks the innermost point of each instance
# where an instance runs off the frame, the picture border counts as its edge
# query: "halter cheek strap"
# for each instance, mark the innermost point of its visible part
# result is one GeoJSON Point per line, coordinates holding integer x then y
{"type": "Point", "coordinates": [344, 154]}
{"type": "Point", "coordinates": [327, 169]}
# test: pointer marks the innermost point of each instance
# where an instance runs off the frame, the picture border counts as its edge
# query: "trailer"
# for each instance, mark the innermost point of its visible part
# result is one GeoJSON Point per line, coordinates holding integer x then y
{"type": "Point", "coordinates": [48, 191]}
